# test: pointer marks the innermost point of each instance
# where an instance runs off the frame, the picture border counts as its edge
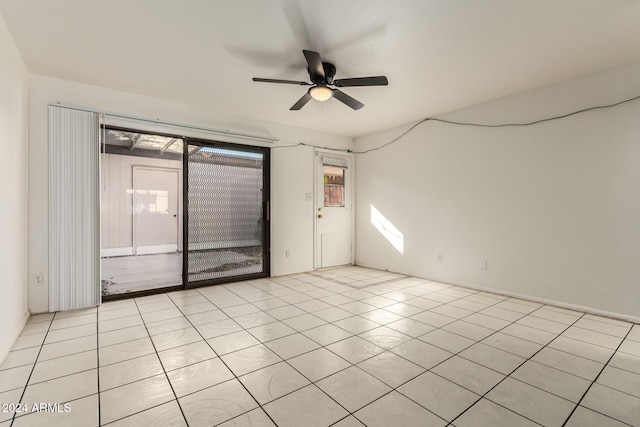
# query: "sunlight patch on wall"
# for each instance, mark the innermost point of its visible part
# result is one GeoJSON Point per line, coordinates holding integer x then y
{"type": "Point", "coordinates": [387, 229]}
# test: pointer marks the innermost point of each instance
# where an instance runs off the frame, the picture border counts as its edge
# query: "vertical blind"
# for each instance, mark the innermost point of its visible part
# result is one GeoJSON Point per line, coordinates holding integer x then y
{"type": "Point", "coordinates": [74, 222]}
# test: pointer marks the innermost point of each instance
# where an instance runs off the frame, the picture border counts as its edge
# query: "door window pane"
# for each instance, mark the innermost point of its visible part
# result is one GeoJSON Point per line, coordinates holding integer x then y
{"type": "Point", "coordinates": [333, 186]}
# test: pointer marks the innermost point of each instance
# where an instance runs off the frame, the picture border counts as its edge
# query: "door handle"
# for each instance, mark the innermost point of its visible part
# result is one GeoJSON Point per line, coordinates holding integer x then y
{"type": "Point", "coordinates": [319, 216]}
{"type": "Point", "coordinates": [175, 215]}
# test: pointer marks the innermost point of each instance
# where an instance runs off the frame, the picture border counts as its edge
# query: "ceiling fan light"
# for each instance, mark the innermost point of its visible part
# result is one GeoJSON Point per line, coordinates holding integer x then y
{"type": "Point", "coordinates": [320, 93]}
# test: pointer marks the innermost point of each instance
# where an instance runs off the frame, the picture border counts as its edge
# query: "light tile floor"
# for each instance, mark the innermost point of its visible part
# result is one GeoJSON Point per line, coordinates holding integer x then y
{"type": "Point", "coordinates": [343, 347]}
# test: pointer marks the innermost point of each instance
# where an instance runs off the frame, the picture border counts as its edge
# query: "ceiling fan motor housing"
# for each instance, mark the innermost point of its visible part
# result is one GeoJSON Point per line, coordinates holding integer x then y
{"type": "Point", "coordinates": [329, 73]}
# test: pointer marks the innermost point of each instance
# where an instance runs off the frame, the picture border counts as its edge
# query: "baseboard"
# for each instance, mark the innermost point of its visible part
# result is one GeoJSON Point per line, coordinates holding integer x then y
{"type": "Point", "coordinates": [561, 304]}
{"type": "Point", "coordinates": [108, 252]}
{"type": "Point", "coordinates": [157, 249]}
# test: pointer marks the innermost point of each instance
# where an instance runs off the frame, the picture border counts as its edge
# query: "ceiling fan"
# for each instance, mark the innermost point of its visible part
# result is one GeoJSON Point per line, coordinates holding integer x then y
{"type": "Point", "coordinates": [321, 74]}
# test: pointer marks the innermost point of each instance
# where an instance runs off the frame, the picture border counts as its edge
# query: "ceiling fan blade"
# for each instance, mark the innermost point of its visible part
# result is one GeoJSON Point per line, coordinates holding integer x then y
{"type": "Point", "coordinates": [315, 65]}
{"type": "Point", "coordinates": [291, 82]}
{"type": "Point", "coordinates": [301, 102]}
{"type": "Point", "coordinates": [362, 81]}
{"type": "Point", "coordinates": [346, 99]}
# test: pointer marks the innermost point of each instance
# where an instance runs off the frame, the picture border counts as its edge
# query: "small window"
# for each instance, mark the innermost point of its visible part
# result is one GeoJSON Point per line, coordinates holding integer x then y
{"type": "Point", "coordinates": [333, 186]}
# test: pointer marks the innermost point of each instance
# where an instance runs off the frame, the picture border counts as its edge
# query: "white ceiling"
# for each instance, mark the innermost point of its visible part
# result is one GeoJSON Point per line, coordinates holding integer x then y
{"type": "Point", "coordinates": [439, 55]}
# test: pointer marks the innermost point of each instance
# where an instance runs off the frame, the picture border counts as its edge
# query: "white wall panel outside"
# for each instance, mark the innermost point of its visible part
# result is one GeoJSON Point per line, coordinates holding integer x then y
{"type": "Point", "coordinates": [116, 219]}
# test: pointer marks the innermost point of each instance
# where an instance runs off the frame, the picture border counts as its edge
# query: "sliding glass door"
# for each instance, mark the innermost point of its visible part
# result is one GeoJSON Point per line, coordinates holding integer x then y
{"type": "Point", "coordinates": [178, 212]}
{"type": "Point", "coordinates": [227, 212]}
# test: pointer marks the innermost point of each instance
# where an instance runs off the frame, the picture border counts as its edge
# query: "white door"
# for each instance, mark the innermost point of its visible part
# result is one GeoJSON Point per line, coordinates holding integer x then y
{"type": "Point", "coordinates": [334, 214]}
{"type": "Point", "coordinates": [155, 210]}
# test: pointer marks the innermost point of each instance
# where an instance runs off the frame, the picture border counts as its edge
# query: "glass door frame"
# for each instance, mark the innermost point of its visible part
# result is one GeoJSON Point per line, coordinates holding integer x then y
{"type": "Point", "coordinates": [266, 211]}
{"type": "Point", "coordinates": [266, 244]}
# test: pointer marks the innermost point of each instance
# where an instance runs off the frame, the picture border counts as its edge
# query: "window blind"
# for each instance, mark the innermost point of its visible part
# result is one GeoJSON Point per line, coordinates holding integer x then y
{"type": "Point", "coordinates": [333, 161]}
{"type": "Point", "coordinates": [74, 221]}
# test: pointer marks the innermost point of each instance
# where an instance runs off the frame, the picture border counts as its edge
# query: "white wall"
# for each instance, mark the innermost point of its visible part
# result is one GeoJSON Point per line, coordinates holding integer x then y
{"type": "Point", "coordinates": [294, 178]}
{"type": "Point", "coordinates": [291, 170]}
{"type": "Point", "coordinates": [554, 209]}
{"type": "Point", "coordinates": [13, 188]}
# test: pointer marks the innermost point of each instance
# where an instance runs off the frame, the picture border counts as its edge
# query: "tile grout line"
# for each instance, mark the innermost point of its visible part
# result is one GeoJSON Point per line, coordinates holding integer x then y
{"type": "Point", "coordinates": [239, 325]}
{"type": "Point", "coordinates": [381, 325]}
{"type": "Point", "coordinates": [355, 364]}
{"type": "Point", "coordinates": [13, 418]}
{"type": "Point", "coordinates": [443, 361]}
{"type": "Point", "coordinates": [311, 383]}
{"type": "Point", "coordinates": [552, 367]}
{"type": "Point", "coordinates": [334, 280]}
{"type": "Point", "coordinates": [223, 362]}
{"type": "Point", "coordinates": [301, 332]}
{"type": "Point", "coordinates": [515, 369]}
{"type": "Point", "coordinates": [377, 308]}
{"type": "Point", "coordinates": [479, 341]}
{"type": "Point", "coordinates": [387, 291]}
{"type": "Point", "coordinates": [541, 330]}
{"type": "Point", "coordinates": [596, 379]}
{"type": "Point", "coordinates": [625, 370]}
{"type": "Point", "coordinates": [163, 370]}
{"type": "Point", "coordinates": [354, 314]}
{"type": "Point", "coordinates": [596, 332]}
{"type": "Point", "coordinates": [128, 383]}
{"type": "Point", "coordinates": [98, 363]}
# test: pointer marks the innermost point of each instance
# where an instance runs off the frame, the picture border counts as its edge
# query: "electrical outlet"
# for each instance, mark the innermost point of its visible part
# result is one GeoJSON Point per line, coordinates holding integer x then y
{"type": "Point", "coordinates": [38, 279]}
{"type": "Point", "coordinates": [308, 197]}
{"type": "Point", "coordinates": [439, 257]}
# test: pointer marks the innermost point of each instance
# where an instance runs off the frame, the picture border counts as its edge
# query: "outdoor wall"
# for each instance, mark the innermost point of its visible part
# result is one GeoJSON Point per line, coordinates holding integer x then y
{"type": "Point", "coordinates": [13, 188]}
{"type": "Point", "coordinates": [550, 211]}
{"type": "Point", "coordinates": [291, 169]}
{"type": "Point", "coordinates": [116, 212]}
